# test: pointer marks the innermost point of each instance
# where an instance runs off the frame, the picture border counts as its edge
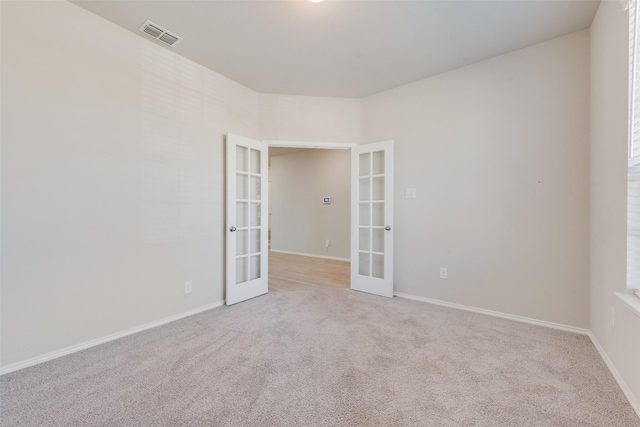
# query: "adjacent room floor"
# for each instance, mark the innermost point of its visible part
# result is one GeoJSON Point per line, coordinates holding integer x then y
{"type": "Point", "coordinates": [297, 272]}
{"type": "Point", "coordinates": [325, 356]}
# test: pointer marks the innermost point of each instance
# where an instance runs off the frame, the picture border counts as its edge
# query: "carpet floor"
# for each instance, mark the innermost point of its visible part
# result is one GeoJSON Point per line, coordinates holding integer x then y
{"type": "Point", "coordinates": [326, 357]}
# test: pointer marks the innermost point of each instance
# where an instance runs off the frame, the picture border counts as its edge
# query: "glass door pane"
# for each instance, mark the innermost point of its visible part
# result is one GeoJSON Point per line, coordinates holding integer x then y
{"type": "Point", "coordinates": [242, 159]}
{"type": "Point", "coordinates": [248, 214]}
{"type": "Point", "coordinates": [372, 218]}
{"type": "Point", "coordinates": [241, 270]}
{"type": "Point", "coordinates": [378, 266]}
{"type": "Point", "coordinates": [364, 265]}
{"type": "Point", "coordinates": [371, 205]}
{"type": "Point", "coordinates": [378, 163]}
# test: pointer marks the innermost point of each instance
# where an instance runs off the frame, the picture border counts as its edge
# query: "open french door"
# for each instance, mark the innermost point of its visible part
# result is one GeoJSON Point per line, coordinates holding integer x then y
{"type": "Point", "coordinates": [372, 218]}
{"type": "Point", "coordinates": [246, 220]}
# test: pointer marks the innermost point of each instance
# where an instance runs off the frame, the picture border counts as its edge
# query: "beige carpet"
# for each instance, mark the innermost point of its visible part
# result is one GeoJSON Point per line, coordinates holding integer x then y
{"type": "Point", "coordinates": [326, 357]}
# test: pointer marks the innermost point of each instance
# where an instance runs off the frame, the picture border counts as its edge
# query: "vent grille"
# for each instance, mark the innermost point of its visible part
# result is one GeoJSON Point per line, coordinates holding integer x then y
{"type": "Point", "coordinates": [153, 31]}
{"type": "Point", "coordinates": [159, 33]}
{"type": "Point", "coordinates": [168, 39]}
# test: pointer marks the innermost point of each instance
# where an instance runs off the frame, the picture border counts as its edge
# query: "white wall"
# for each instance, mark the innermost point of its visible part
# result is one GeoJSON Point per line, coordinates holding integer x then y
{"type": "Point", "coordinates": [309, 119]}
{"type": "Point", "coordinates": [112, 175]}
{"type": "Point", "coordinates": [499, 154]}
{"type": "Point", "coordinates": [111, 178]}
{"type": "Point", "coordinates": [300, 221]}
{"type": "Point", "coordinates": [609, 112]}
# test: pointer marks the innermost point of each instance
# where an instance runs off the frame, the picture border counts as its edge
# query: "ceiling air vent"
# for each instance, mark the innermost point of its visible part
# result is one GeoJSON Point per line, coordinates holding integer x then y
{"type": "Point", "coordinates": [157, 32]}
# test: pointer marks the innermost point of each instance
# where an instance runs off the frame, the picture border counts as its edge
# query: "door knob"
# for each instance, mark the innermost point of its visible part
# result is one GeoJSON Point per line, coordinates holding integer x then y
{"type": "Point", "coordinates": [232, 229]}
{"type": "Point", "coordinates": [388, 228]}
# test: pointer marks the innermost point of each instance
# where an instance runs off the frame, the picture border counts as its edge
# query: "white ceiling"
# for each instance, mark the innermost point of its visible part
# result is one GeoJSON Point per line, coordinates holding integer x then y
{"type": "Point", "coordinates": [346, 48]}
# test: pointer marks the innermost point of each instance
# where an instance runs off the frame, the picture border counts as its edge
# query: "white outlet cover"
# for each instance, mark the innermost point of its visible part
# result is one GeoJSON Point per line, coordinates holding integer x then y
{"type": "Point", "coordinates": [444, 273]}
{"type": "Point", "coordinates": [409, 193]}
{"type": "Point", "coordinates": [187, 287]}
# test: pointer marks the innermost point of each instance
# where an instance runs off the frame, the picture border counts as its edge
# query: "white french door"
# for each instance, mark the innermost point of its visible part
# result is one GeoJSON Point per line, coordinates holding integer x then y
{"type": "Point", "coordinates": [246, 220]}
{"type": "Point", "coordinates": [372, 218]}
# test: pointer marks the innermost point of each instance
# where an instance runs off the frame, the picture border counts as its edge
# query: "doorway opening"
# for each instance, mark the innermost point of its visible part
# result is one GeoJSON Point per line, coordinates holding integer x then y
{"type": "Point", "coordinates": [370, 226]}
{"type": "Point", "coordinates": [309, 218]}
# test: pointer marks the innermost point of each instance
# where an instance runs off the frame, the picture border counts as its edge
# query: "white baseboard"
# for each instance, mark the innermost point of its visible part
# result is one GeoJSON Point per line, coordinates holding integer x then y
{"type": "Point", "coordinates": [92, 343]}
{"type": "Point", "coordinates": [311, 255]}
{"type": "Point", "coordinates": [522, 319]}
{"type": "Point", "coordinates": [633, 401]}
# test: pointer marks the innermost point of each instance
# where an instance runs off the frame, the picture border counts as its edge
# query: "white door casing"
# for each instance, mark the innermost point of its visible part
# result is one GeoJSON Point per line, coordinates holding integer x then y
{"type": "Point", "coordinates": [246, 219]}
{"type": "Point", "coordinates": [372, 227]}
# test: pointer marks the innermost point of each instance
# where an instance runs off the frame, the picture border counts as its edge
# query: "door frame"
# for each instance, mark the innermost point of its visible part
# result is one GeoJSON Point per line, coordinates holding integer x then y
{"type": "Point", "coordinates": [306, 144]}
{"type": "Point", "coordinates": [300, 144]}
{"type": "Point", "coordinates": [330, 146]}
{"type": "Point", "coordinates": [312, 145]}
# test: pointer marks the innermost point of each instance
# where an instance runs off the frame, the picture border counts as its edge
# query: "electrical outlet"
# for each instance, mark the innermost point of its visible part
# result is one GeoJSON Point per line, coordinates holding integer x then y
{"type": "Point", "coordinates": [612, 317]}
{"type": "Point", "coordinates": [326, 243]}
{"type": "Point", "coordinates": [444, 273]}
{"type": "Point", "coordinates": [409, 193]}
{"type": "Point", "coordinates": [187, 287]}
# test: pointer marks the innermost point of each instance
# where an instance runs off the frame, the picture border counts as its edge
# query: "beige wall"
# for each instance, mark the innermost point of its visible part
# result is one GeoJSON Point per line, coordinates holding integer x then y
{"type": "Point", "coordinates": [103, 178]}
{"type": "Point", "coordinates": [309, 119]}
{"type": "Point", "coordinates": [609, 107]}
{"type": "Point", "coordinates": [301, 223]}
{"type": "Point", "coordinates": [112, 175]}
{"type": "Point", "coordinates": [499, 154]}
